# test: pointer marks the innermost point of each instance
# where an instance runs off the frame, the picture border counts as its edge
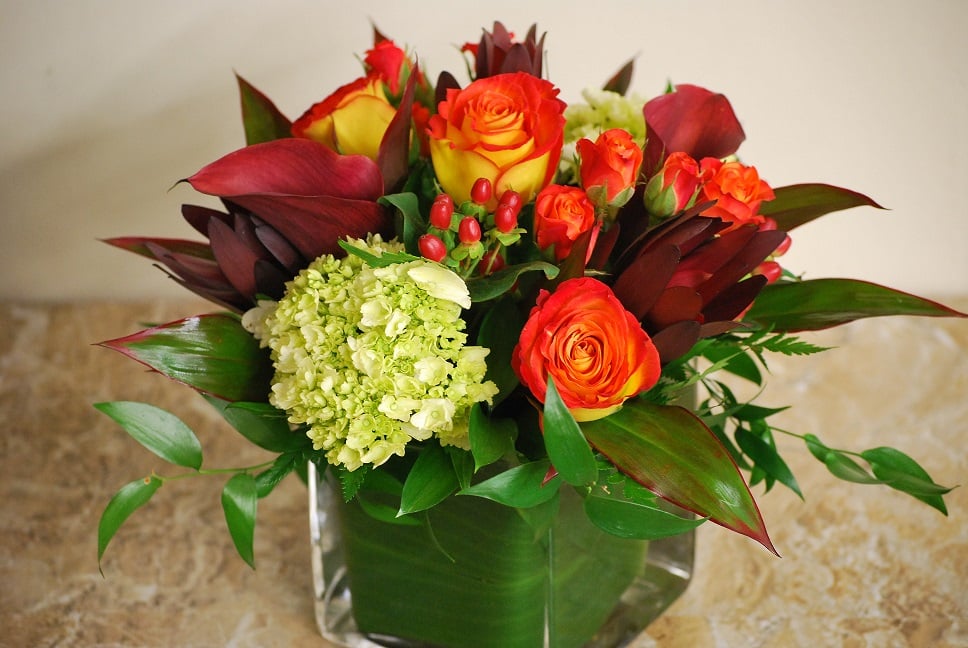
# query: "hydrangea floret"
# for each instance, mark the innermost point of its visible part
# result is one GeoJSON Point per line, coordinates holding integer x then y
{"type": "Point", "coordinates": [372, 358]}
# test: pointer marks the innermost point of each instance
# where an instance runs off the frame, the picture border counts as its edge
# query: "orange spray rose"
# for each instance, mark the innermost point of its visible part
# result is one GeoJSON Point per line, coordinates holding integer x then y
{"type": "Point", "coordinates": [610, 166]}
{"type": "Point", "coordinates": [561, 215]}
{"type": "Point", "coordinates": [594, 349]}
{"type": "Point", "coordinates": [508, 128]}
{"type": "Point", "coordinates": [737, 190]}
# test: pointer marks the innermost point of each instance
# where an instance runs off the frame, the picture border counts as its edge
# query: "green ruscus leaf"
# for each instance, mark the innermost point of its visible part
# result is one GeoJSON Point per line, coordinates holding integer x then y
{"type": "Point", "coordinates": [568, 450]}
{"type": "Point", "coordinates": [161, 432]}
{"type": "Point", "coordinates": [239, 500]}
{"type": "Point", "coordinates": [125, 502]}
{"type": "Point", "coordinates": [901, 472]}
{"type": "Point", "coordinates": [431, 479]}
{"type": "Point", "coordinates": [523, 486]}
{"type": "Point", "coordinates": [672, 453]}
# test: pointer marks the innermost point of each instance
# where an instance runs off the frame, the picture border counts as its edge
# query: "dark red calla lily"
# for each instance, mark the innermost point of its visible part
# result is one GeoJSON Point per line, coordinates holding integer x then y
{"type": "Point", "coordinates": [692, 120]}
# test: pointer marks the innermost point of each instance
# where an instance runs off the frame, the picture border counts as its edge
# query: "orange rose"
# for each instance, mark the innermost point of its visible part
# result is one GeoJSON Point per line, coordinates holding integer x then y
{"type": "Point", "coordinates": [351, 121]}
{"type": "Point", "coordinates": [594, 349]}
{"type": "Point", "coordinates": [561, 215]}
{"type": "Point", "coordinates": [507, 128]}
{"type": "Point", "coordinates": [610, 166]}
{"type": "Point", "coordinates": [737, 190]}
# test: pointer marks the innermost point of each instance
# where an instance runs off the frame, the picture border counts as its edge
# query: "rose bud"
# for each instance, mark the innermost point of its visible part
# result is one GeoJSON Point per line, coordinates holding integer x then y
{"type": "Point", "coordinates": [674, 187]}
{"type": "Point", "coordinates": [610, 167]}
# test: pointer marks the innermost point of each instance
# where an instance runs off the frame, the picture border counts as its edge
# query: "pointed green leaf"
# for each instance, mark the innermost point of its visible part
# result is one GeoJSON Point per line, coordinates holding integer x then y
{"type": "Point", "coordinates": [627, 519]}
{"type": "Point", "coordinates": [210, 353]}
{"type": "Point", "coordinates": [843, 467]}
{"type": "Point", "coordinates": [414, 224]}
{"type": "Point", "coordinates": [823, 303]}
{"type": "Point", "coordinates": [239, 500]}
{"type": "Point", "coordinates": [490, 439]}
{"type": "Point", "coordinates": [672, 453]}
{"type": "Point", "coordinates": [523, 486]}
{"type": "Point", "coordinates": [567, 448]}
{"type": "Point", "coordinates": [378, 260]}
{"type": "Point", "coordinates": [262, 424]}
{"type": "Point", "coordinates": [767, 459]}
{"type": "Point", "coordinates": [161, 432]}
{"type": "Point", "coordinates": [797, 204]}
{"type": "Point", "coordinates": [495, 285]}
{"type": "Point", "coordinates": [125, 502]}
{"type": "Point", "coordinates": [261, 119]}
{"type": "Point", "coordinates": [430, 481]}
{"type": "Point", "coordinates": [903, 473]}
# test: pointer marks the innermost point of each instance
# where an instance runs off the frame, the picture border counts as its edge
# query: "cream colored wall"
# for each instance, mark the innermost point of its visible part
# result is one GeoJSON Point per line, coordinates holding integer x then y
{"type": "Point", "coordinates": [106, 103]}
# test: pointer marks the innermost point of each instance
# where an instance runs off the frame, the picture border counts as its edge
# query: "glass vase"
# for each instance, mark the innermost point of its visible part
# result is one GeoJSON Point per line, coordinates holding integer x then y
{"type": "Point", "coordinates": [476, 574]}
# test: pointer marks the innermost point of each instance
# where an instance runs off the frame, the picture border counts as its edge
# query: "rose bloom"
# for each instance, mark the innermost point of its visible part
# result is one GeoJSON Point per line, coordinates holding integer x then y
{"type": "Point", "coordinates": [352, 120]}
{"type": "Point", "coordinates": [386, 60]}
{"type": "Point", "coordinates": [737, 190]}
{"type": "Point", "coordinates": [611, 165]}
{"type": "Point", "coordinates": [561, 215]}
{"type": "Point", "coordinates": [595, 350]}
{"type": "Point", "coordinates": [507, 128]}
{"type": "Point", "coordinates": [674, 187]}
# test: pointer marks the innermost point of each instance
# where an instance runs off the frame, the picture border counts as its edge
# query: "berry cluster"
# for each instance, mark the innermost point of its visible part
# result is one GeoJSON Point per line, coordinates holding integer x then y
{"type": "Point", "coordinates": [468, 237]}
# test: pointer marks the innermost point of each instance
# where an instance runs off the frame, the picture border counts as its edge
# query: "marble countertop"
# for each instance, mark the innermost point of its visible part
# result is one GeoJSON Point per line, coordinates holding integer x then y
{"type": "Point", "coordinates": [861, 566]}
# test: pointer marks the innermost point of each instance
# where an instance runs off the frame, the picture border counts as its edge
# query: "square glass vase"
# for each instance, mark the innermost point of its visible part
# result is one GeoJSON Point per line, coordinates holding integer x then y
{"type": "Point", "coordinates": [477, 574]}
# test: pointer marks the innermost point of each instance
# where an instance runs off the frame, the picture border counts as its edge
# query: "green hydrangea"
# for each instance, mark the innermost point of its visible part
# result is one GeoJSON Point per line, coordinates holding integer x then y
{"type": "Point", "coordinates": [372, 358]}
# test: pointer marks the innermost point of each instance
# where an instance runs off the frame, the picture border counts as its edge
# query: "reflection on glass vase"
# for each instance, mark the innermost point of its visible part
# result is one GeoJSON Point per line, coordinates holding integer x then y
{"type": "Point", "coordinates": [478, 574]}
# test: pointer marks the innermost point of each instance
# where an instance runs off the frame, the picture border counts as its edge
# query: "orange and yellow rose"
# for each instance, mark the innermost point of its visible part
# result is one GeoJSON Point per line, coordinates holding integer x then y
{"type": "Point", "coordinates": [737, 189]}
{"type": "Point", "coordinates": [352, 120]}
{"type": "Point", "coordinates": [507, 128]}
{"type": "Point", "coordinates": [561, 215]}
{"type": "Point", "coordinates": [609, 166]}
{"type": "Point", "coordinates": [597, 353]}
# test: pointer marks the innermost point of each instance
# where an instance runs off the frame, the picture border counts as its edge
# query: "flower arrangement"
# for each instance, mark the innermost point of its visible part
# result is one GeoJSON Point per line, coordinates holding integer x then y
{"type": "Point", "coordinates": [440, 291]}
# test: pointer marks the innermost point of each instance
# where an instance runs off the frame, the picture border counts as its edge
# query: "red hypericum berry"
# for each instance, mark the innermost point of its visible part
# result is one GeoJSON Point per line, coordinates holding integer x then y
{"type": "Point", "coordinates": [441, 211]}
{"type": "Point", "coordinates": [469, 230]}
{"type": "Point", "coordinates": [513, 199]}
{"type": "Point", "coordinates": [505, 218]}
{"type": "Point", "coordinates": [491, 262]}
{"type": "Point", "coordinates": [481, 191]}
{"type": "Point", "coordinates": [431, 247]}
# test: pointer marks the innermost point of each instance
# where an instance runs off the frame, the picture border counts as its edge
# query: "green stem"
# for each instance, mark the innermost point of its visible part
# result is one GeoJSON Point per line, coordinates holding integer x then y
{"type": "Point", "coordinates": [212, 471]}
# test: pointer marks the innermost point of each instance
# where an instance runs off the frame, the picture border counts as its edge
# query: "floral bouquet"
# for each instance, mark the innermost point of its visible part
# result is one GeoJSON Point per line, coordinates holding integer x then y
{"type": "Point", "coordinates": [498, 325]}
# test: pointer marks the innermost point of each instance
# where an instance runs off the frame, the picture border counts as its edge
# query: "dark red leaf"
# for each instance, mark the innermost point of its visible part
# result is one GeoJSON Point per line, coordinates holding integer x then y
{"type": "Point", "coordinates": [290, 167]}
{"type": "Point", "coordinates": [639, 285]}
{"type": "Point", "coordinates": [675, 341]}
{"type": "Point", "coordinates": [798, 204]}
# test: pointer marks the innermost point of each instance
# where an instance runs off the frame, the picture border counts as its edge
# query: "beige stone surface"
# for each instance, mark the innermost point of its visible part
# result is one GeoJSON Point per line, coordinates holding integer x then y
{"type": "Point", "coordinates": [861, 566]}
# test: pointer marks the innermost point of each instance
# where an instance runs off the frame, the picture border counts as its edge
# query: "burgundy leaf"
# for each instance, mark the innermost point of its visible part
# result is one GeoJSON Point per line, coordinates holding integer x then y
{"type": "Point", "coordinates": [622, 79]}
{"type": "Point", "coordinates": [639, 285]}
{"type": "Point", "coordinates": [198, 217]}
{"type": "Point", "coordinates": [675, 304]}
{"type": "Point", "coordinates": [758, 247]}
{"type": "Point", "coordinates": [234, 257]}
{"type": "Point", "coordinates": [695, 121]}
{"type": "Point", "coordinates": [143, 246]}
{"type": "Point", "coordinates": [393, 157]}
{"type": "Point", "coordinates": [731, 302]}
{"type": "Point", "coordinates": [293, 167]}
{"type": "Point", "coordinates": [675, 341]}
{"type": "Point", "coordinates": [277, 245]}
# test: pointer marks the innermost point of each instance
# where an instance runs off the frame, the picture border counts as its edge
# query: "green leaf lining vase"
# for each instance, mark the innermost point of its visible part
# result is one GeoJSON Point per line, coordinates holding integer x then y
{"type": "Point", "coordinates": [476, 574]}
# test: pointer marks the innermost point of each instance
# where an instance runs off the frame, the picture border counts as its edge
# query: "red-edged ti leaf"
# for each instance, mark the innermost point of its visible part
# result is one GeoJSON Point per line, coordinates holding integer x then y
{"type": "Point", "coordinates": [671, 452]}
{"type": "Point", "coordinates": [695, 121]}
{"type": "Point", "coordinates": [824, 303]}
{"type": "Point", "coordinates": [393, 157]}
{"type": "Point", "coordinates": [212, 353]}
{"type": "Point", "coordinates": [797, 204]}
{"type": "Point", "coordinates": [141, 245]}
{"type": "Point", "coordinates": [263, 122]}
